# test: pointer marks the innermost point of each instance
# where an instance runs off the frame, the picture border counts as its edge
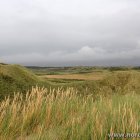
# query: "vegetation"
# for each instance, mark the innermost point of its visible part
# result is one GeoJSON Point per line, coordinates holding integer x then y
{"type": "Point", "coordinates": [60, 70]}
{"type": "Point", "coordinates": [68, 108]}
{"type": "Point", "coordinates": [63, 114]}
{"type": "Point", "coordinates": [14, 78]}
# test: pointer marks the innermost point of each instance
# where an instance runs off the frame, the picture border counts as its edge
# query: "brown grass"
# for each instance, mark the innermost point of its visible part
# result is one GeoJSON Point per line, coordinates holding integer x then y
{"type": "Point", "coordinates": [44, 115]}
{"type": "Point", "coordinates": [89, 76]}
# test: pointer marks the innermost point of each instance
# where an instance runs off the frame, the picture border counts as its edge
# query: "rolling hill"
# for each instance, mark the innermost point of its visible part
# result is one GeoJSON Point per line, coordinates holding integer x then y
{"type": "Point", "coordinates": [15, 78]}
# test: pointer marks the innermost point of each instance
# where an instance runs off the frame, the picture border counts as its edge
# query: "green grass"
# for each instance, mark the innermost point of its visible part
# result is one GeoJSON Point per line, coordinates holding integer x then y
{"type": "Point", "coordinates": [14, 78]}
{"type": "Point", "coordinates": [61, 70]}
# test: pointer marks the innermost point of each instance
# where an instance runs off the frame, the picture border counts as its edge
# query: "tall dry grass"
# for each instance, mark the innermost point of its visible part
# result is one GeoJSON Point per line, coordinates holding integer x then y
{"type": "Point", "coordinates": [59, 114]}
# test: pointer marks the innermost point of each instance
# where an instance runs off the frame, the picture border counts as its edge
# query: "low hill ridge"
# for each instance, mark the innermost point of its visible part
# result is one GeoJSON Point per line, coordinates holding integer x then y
{"type": "Point", "coordinates": [15, 78]}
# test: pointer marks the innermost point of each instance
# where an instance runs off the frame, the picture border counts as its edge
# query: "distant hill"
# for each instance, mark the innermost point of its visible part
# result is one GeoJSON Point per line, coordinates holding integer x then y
{"type": "Point", "coordinates": [14, 78]}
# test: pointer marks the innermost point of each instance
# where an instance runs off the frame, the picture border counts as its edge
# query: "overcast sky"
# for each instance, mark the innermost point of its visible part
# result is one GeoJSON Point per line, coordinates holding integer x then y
{"type": "Point", "coordinates": [70, 32]}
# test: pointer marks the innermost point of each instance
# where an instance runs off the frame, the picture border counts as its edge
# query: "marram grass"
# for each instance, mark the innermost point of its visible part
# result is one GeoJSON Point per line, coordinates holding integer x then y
{"type": "Point", "coordinates": [59, 114]}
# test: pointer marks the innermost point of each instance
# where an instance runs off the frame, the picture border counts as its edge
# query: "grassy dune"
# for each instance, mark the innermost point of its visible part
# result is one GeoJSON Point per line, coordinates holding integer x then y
{"type": "Point", "coordinates": [63, 114]}
{"type": "Point", "coordinates": [14, 78]}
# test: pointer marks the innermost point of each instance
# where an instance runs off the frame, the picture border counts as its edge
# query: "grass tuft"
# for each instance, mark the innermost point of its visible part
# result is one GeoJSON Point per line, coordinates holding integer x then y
{"type": "Point", "coordinates": [64, 114]}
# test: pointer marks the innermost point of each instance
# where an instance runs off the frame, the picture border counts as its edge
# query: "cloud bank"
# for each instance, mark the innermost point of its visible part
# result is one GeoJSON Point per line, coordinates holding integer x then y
{"type": "Point", "coordinates": [84, 56]}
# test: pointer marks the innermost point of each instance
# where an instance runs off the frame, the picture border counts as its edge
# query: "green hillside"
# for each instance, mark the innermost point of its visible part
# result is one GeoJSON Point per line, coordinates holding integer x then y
{"type": "Point", "coordinates": [14, 78]}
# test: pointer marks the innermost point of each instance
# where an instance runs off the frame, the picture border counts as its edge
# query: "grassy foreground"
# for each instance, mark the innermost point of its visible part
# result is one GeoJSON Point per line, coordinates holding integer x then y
{"type": "Point", "coordinates": [59, 114]}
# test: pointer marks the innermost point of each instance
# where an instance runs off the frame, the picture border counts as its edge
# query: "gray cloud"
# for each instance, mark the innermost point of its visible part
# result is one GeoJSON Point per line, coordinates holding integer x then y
{"type": "Point", "coordinates": [70, 32]}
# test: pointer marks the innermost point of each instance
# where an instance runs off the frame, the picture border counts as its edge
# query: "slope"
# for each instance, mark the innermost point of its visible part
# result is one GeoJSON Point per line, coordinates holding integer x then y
{"type": "Point", "coordinates": [15, 78]}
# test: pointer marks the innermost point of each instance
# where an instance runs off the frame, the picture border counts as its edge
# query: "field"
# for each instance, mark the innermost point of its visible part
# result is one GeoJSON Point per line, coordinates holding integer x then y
{"type": "Point", "coordinates": [70, 103]}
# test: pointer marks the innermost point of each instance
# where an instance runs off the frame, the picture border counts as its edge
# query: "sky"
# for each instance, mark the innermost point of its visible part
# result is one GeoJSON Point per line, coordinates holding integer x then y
{"type": "Point", "coordinates": [70, 32]}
